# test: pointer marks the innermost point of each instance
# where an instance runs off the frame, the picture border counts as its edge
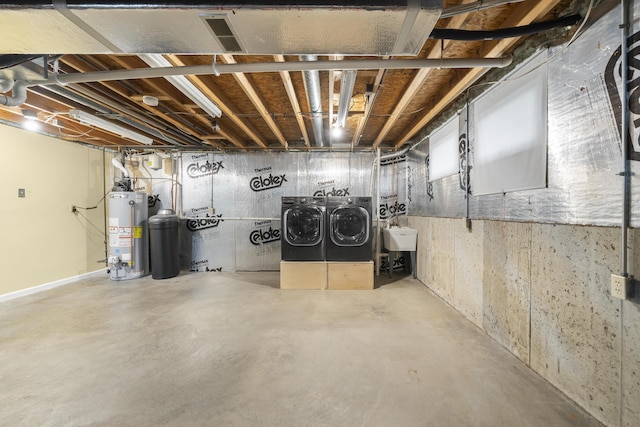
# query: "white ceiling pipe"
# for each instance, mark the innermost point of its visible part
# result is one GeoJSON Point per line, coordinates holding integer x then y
{"type": "Point", "coordinates": [346, 89]}
{"type": "Point", "coordinates": [273, 67]}
{"type": "Point", "coordinates": [312, 86]}
{"type": "Point", "coordinates": [19, 95]}
{"type": "Point", "coordinates": [116, 163]}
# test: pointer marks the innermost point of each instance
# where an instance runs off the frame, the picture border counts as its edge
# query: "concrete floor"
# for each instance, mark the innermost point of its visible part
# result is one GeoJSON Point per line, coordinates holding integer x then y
{"type": "Point", "coordinates": [231, 349]}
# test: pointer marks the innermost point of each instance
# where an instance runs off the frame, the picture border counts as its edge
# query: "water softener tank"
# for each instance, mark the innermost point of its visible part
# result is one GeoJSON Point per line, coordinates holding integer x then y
{"type": "Point", "coordinates": [128, 238]}
{"type": "Point", "coordinates": [163, 235]}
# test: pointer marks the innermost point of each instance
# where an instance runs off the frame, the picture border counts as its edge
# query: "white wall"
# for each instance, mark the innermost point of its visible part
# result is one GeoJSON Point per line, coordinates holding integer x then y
{"type": "Point", "coordinates": [542, 291]}
{"type": "Point", "coordinates": [42, 241]}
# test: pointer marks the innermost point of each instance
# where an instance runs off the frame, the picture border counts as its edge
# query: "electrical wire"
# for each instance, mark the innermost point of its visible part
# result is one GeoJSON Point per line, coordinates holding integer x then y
{"type": "Point", "coordinates": [96, 205]}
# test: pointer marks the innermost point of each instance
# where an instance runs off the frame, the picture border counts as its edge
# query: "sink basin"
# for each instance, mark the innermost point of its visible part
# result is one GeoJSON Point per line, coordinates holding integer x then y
{"type": "Point", "coordinates": [400, 238]}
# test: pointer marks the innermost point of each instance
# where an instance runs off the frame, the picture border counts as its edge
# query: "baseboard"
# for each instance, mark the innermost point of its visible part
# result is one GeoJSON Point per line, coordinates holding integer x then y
{"type": "Point", "coordinates": [50, 285]}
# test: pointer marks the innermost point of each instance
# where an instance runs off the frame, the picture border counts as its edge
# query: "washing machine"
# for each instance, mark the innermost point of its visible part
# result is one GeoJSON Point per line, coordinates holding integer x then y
{"type": "Point", "coordinates": [303, 222]}
{"type": "Point", "coordinates": [349, 229]}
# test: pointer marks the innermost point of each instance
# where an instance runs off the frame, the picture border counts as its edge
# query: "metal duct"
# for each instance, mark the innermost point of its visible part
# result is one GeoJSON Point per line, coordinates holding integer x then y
{"type": "Point", "coordinates": [312, 87]}
{"type": "Point", "coordinates": [373, 27]}
{"type": "Point", "coordinates": [346, 89]}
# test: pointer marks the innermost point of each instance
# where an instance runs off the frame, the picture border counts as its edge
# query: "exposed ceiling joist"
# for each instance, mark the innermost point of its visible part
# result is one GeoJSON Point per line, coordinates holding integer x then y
{"type": "Point", "coordinates": [291, 93]}
{"type": "Point", "coordinates": [436, 51]}
{"type": "Point", "coordinates": [257, 101]}
{"type": "Point", "coordinates": [525, 13]}
{"type": "Point", "coordinates": [225, 105]}
{"type": "Point", "coordinates": [401, 95]}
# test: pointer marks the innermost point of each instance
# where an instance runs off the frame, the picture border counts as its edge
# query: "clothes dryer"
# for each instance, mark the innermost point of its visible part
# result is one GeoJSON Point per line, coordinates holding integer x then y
{"type": "Point", "coordinates": [349, 233]}
{"type": "Point", "coordinates": [303, 223]}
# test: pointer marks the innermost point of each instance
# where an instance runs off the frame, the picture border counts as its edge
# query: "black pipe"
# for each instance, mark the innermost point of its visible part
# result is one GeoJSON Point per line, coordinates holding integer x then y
{"type": "Point", "coordinates": [504, 33]}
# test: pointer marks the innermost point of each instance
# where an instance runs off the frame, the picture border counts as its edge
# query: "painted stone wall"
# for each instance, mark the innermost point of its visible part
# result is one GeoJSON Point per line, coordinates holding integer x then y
{"type": "Point", "coordinates": [542, 291]}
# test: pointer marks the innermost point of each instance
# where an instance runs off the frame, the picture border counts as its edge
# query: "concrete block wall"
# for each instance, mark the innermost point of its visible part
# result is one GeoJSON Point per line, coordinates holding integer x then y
{"type": "Point", "coordinates": [542, 292]}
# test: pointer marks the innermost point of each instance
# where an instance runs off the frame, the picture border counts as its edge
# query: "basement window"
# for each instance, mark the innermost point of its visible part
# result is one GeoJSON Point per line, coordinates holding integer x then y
{"type": "Point", "coordinates": [510, 150]}
{"type": "Point", "coordinates": [443, 151]}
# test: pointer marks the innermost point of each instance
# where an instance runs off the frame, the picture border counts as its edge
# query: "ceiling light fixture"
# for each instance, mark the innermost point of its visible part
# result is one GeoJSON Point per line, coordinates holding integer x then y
{"type": "Point", "coordinates": [30, 120]}
{"type": "Point", "coordinates": [346, 89]}
{"type": "Point", "coordinates": [183, 84]}
{"type": "Point", "coordinates": [30, 115]}
{"type": "Point", "coordinates": [149, 100]}
{"type": "Point", "coordinates": [88, 119]}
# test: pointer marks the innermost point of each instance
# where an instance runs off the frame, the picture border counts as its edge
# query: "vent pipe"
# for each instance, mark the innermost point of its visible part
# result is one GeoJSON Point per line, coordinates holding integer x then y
{"type": "Point", "coordinates": [312, 86]}
{"type": "Point", "coordinates": [346, 89]}
{"type": "Point", "coordinates": [118, 165]}
{"type": "Point", "coordinates": [19, 95]}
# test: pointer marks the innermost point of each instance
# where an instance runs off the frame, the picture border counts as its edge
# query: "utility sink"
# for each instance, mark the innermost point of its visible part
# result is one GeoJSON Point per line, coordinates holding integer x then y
{"type": "Point", "coordinates": [400, 238]}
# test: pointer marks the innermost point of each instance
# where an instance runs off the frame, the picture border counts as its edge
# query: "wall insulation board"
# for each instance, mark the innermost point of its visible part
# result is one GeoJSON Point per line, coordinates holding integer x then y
{"type": "Point", "coordinates": [231, 203]}
{"type": "Point", "coordinates": [584, 154]}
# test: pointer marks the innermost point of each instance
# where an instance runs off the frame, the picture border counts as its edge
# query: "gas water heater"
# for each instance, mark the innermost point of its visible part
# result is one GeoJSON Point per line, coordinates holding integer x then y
{"type": "Point", "coordinates": [128, 235]}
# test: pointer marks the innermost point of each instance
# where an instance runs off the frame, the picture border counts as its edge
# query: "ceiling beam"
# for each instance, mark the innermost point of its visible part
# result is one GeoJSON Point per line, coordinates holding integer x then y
{"type": "Point", "coordinates": [418, 80]}
{"type": "Point", "coordinates": [368, 108]}
{"type": "Point", "coordinates": [157, 112]}
{"type": "Point", "coordinates": [291, 93]}
{"type": "Point", "coordinates": [525, 13]}
{"type": "Point", "coordinates": [225, 105]}
{"type": "Point", "coordinates": [257, 101]}
{"type": "Point", "coordinates": [120, 90]}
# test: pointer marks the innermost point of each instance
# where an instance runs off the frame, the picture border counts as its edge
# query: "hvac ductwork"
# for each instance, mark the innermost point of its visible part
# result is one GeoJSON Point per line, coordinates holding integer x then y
{"type": "Point", "coordinates": [383, 27]}
{"type": "Point", "coordinates": [312, 87]}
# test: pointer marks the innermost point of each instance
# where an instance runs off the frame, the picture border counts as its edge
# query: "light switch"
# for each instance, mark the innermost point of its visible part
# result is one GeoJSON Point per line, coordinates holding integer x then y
{"type": "Point", "coordinates": [21, 192]}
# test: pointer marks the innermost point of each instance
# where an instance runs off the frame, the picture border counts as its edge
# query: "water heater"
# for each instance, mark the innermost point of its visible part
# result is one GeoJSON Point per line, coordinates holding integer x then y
{"type": "Point", "coordinates": [128, 235]}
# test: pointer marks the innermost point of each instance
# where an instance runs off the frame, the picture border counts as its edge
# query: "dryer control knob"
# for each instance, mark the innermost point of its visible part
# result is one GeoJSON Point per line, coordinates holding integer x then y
{"type": "Point", "coordinates": [303, 200]}
{"type": "Point", "coordinates": [349, 200]}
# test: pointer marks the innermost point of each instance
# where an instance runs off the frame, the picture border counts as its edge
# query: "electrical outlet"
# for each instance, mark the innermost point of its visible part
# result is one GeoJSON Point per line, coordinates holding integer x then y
{"type": "Point", "coordinates": [619, 286]}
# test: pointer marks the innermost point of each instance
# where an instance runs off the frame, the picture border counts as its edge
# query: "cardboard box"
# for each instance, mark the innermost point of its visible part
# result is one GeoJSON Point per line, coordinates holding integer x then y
{"type": "Point", "coordinates": [350, 275]}
{"type": "Point", "coordinates": [303, 275]}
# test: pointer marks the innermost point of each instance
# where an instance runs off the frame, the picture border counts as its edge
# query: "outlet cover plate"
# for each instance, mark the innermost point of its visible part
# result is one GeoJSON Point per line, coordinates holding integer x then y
{"type": "Point", "coordinates": [619, 286]}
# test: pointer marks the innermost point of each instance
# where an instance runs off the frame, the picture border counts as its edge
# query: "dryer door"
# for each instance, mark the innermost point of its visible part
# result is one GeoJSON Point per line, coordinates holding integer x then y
{"type": "Point", "coordinates": [303, 225]}
{"type": "Point", "coordinates": [349, 226]}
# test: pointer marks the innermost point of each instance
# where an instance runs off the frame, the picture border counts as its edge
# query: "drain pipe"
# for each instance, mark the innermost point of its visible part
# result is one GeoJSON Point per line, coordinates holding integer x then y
{"type": "Point", "coordinates": [19, 93]}
{"type": "Point", "coordinates": [375, 166]}
{"type": "Point", "coordinates": [376, 163]}
{"type": "Point", "coordinates": [312, 87]}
